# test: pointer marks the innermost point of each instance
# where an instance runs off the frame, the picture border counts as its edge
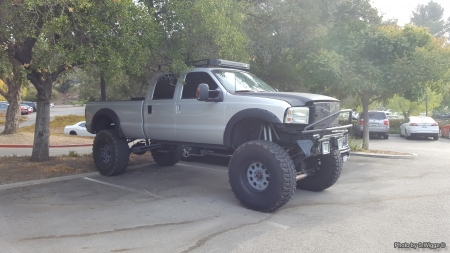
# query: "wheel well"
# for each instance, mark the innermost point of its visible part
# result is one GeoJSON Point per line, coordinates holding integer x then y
{"type": "Point", "coordinates": [246, 130]}
{"type": "Point", "coordinates": [103, 122]}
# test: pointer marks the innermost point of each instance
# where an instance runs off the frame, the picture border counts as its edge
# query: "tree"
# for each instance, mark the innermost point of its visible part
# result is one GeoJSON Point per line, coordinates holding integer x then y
{"type": "Point", "coordinates": [50, 37]}
{"type": "Point", "coordinates": [408, 107]}
{"type": "Point", "coordinates": [375, 62]}
{"type": "Point", "coordinates": [279, 33]}
{"type": "Point", "coordinates": [431, 17]}
{"type": "Point", "coordinates": [12, 75]}
{"type": "Point", "coordinates": [198, 29]}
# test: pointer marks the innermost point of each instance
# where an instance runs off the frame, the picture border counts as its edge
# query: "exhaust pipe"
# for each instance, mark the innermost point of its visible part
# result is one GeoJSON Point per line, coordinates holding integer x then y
{"type": "Point", "coordinates": [300, 177]}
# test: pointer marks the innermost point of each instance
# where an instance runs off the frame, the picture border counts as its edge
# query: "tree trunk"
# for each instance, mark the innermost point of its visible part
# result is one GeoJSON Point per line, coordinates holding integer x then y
{"type": "Point", "coordinates": [13, 112]}
{"type": "Point", "coordinates": [365, 104]}
{"type": "Point", "coordinates": [102, 87]}
{"type": "Point", "coordinates": [42, 129]}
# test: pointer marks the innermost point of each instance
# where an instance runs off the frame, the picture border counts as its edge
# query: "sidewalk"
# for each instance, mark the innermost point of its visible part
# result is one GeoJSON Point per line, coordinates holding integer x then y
{"type": "Point", "coordinates": [54, 151]}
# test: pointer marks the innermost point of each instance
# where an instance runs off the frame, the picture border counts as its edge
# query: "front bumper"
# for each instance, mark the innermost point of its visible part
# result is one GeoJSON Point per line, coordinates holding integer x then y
{"type": "Point", "coordinates": [325, 140]}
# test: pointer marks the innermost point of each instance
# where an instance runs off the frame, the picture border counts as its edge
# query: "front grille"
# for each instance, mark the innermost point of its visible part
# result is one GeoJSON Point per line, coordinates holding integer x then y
{"type": "Point", "coordinates": [323, 110]}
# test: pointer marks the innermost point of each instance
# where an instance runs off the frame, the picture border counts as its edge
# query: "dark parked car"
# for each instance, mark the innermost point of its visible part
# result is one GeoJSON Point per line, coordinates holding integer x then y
{"type": "Point", "coordinates": [30, 104]}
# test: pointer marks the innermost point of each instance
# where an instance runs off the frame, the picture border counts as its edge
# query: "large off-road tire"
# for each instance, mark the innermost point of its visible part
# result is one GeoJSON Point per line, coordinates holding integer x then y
{"type": "Point", "coordinates": [328, 172]}
{"type": "Point", "coordinates": [262, 175]}
{"type": "Point", "coordinates": [111, 153]}
{"type": "Point", "coordinates": [171, 157]}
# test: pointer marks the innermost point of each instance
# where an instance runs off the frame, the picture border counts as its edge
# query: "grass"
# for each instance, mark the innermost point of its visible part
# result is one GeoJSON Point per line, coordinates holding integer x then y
{"type": "Point", "coordinates": [58, 124]}
{"type": "Point", "coordinates": [355, 144]}
{"type": "Point", "coordinates": [22, 118]}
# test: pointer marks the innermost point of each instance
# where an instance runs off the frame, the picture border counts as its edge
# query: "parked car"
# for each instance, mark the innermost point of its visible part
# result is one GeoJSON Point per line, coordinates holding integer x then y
{"type": "Point", "coordinates": [29, 108]}
{"type": "Point", "coordinates": [30, 104]}
{"type": "Point", "coordinates": [24, 109]}
{"type": "Point", "coordinates": [3, 107]}
{"type": "Point", "coordinates": [378, 124]}
{"type": "Point", "coordinates": [77, 129]}
{"type": "Point", "coordinates": [52, 105]}
{"type": "Point", "coordinates": [420, 126]}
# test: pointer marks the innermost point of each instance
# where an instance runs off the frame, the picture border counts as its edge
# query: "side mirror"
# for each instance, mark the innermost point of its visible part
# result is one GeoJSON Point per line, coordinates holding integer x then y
{"type": "Point", "coordinates": [204, 94]}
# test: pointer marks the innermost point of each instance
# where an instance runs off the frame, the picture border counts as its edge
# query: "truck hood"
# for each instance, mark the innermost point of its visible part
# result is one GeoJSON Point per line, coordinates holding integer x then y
{"type": "Point", "coordinates": [293, 98]}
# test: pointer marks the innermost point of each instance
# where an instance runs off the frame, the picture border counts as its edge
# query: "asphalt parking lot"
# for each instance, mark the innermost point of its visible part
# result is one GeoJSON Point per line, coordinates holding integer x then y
{"type": "Point", "coordinates": [189, 207]}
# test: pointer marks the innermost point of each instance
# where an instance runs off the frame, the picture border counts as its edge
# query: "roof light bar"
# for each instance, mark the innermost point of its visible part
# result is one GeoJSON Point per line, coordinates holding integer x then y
{"type": "Point", "coordinates": [219, 63]}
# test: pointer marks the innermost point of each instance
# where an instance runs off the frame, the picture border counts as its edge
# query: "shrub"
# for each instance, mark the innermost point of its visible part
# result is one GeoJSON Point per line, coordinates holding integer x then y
{"type": "Point", "coordinates": [394, 125]}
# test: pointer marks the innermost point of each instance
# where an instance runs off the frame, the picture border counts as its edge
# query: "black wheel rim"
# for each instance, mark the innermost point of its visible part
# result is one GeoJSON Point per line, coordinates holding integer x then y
{"type": "Point", "coordinates": [105, 153]}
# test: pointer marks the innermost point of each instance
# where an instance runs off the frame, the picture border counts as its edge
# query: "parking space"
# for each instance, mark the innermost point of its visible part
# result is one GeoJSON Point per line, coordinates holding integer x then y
{"type": "Point", "coordinates": [189, 207]}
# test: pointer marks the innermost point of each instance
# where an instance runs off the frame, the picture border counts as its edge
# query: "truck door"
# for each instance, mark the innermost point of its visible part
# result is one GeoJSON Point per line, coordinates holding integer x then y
{"type": "Point", "coordinates": [198, 121]}
{"type": "Point", "coordinates": [159, 112]}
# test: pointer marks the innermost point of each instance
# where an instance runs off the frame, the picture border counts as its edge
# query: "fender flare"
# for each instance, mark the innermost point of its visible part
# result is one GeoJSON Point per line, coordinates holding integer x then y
{"type": "Point", "coordinates": [256, 113]}
{"type": "Point", "coordinates": [110, 114]}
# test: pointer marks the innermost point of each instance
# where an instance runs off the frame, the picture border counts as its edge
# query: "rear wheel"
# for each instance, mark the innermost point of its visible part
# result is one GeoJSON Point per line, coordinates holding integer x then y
{"type": "Point", "coordinates": [406, 135]}
{"type": "Point", "coordinates": [436, 137]}
{"type": "Point", "coordinates": [167, 155]}
{"type": "Point", "coordinates": [73, 133]}
{"type": "Point", "coordinates": [111, 153]}
{"type": "Point", "coordinates": [262, 175]}
{"type": "Point", "coordinates": [386, 136]}
{"type": "Point", "coordinates": [327, 172]}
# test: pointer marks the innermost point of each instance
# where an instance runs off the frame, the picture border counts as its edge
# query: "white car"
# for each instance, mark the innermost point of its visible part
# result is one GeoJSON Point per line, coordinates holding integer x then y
{"type": "Point", "coordinates": [420, 126]}
{"type": "Point", "coordinates": [78, 129]}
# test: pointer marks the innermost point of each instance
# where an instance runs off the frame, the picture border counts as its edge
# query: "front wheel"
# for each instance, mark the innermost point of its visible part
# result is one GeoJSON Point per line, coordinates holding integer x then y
{"type": "Point", "coordinates": [262, 175]}
{"type": "Point", "coordinates": [111, 153]}
{"type": "Point", "coordinates": [327, 171]}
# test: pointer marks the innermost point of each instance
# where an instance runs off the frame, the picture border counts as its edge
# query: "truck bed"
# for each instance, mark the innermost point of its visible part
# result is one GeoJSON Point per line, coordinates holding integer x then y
{"type": "Point", "coordinates": [129, 113]}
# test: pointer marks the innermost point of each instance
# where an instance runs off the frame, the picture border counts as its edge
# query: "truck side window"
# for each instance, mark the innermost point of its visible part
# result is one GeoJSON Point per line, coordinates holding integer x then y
{"type": "Point", "coordinates": [165, 87]}
{"type": "Point", "coordinates": [193, 79]}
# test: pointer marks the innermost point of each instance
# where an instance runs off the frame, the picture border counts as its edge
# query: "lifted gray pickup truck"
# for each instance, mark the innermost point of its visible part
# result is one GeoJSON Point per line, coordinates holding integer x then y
{"type": "Point", "coordinates": [277, 141]}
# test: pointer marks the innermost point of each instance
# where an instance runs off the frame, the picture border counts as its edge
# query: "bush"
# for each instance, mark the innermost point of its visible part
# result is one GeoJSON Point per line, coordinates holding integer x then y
{"type": "Point", "coordinates": [394, 125]}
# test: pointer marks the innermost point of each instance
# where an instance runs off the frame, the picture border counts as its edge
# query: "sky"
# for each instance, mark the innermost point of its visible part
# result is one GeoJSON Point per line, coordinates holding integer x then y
{"type": "Point", "coordinates": [402, 9]}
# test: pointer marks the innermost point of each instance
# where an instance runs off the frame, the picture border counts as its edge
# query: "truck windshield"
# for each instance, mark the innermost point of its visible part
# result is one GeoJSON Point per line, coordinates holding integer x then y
{"type": "Point", "coordinates": [239, 81]}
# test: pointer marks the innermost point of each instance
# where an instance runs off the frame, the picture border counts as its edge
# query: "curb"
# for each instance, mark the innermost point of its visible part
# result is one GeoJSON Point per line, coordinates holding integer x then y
{"type": "Point", "coordinates": [374, 155]}
{"type": "Point", "coordinates": [51, 146]}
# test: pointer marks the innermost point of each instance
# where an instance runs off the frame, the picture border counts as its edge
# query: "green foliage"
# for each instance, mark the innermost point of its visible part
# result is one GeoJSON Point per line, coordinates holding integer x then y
{"type": "Point", "coordinates": [394, 125]}
{"type": "Point", "coordinates": [279, 33]}
{"type": "Point", "coordinates": [431, 16]}
{"type": "Point", "coordinates": [355, 144]}
{"type": "Point", "coordinates": [118, 86]}
{"type": "Point", "coordinates": [31, 94]}
{"type": "Point", "coordinates": [414, 108]}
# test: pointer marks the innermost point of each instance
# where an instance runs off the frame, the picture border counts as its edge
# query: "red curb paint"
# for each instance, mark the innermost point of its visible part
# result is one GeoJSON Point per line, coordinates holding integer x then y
{"type": "Point", "coordinates": [51, 146]}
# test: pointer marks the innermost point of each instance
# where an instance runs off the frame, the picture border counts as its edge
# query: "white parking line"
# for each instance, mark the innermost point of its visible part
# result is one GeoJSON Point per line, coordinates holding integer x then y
{"type": "Point", "coordinates": [200, 167]}
{"type": "Point", "coordinates": [121, 187]}
{"type": "Point", "coordinates": [278, 225]}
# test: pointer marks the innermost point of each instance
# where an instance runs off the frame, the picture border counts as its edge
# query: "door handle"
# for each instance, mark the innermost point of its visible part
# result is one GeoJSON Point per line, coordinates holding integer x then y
{"type": "Point", "coordinates": [178, 108]}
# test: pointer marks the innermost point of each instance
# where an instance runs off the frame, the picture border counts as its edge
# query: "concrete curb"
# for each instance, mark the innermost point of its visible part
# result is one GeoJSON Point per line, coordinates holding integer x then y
{"type": "Point", "coordinates": [375, 155]}
{"type": "Point", "coordinates": [62, 178]}
{"type": "Point", "coordinates": [51, 146]}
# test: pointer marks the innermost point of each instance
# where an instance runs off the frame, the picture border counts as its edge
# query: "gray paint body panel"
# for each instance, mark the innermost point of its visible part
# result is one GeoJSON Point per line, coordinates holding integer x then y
{"type": "Point", "coordinates": [193, 121]}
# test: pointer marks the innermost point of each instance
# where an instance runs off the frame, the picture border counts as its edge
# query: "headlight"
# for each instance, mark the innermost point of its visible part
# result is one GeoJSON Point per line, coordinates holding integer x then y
{"type": "Point", "coordinates": [297, 115]}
